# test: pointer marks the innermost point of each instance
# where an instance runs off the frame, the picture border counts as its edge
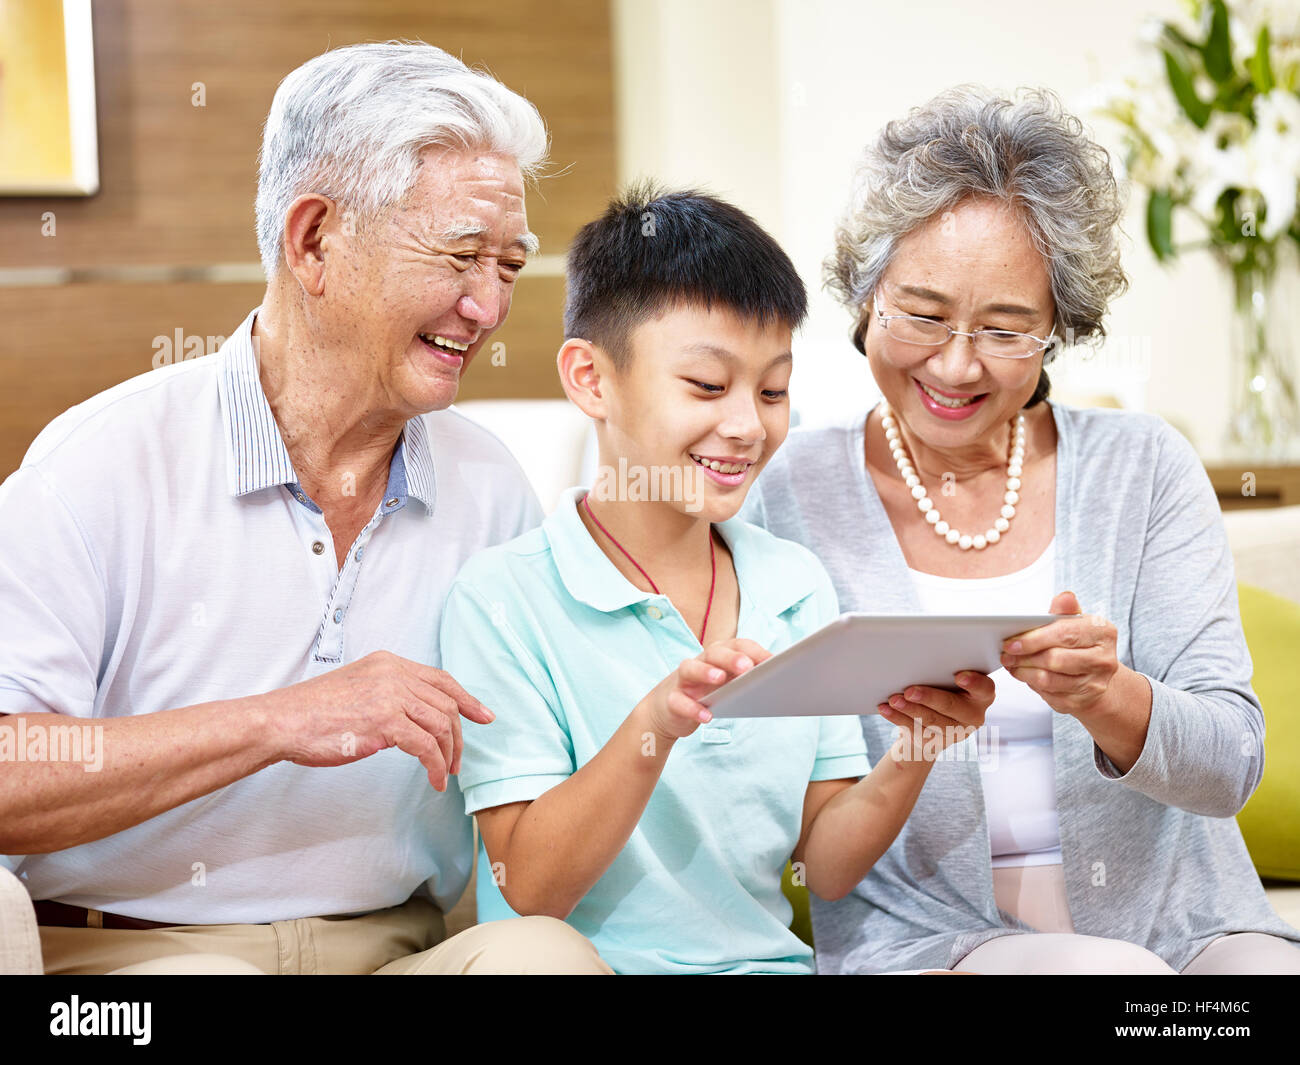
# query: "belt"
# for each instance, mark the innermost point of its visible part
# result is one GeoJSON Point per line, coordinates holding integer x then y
{"type": "Point", "coordinates": [61, 915]}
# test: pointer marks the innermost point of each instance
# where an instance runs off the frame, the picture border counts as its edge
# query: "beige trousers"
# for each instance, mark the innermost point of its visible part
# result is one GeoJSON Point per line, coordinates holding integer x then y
{"type": "Point", "coordinates": [406, 939]}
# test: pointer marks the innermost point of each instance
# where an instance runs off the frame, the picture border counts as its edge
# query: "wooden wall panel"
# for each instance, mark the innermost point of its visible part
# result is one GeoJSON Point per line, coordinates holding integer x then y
{"type": "Point", "coordinates": [178, 181]}
{"type": "Point", "coordinates": [107, 333]}
{"type": "Point", "coordinates": [529, 339]}
{"type": "Point", "coordinates": [80, 339]}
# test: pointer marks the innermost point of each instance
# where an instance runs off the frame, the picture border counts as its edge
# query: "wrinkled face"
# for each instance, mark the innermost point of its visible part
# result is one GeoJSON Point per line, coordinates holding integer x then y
{"type": "Point", "coordinates": [704, 391]}
{"type": "Point", "coordinates": [972, 267]}
{"type": "Point", "coordinates": [417, 293]}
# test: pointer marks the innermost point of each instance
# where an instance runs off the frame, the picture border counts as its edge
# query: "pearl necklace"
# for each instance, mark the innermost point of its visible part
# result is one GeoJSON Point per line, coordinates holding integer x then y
{"type": "Point", "coordinates": [1015, 465]}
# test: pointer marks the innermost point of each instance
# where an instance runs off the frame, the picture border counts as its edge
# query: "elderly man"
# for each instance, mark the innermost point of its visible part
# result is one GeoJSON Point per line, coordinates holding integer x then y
{"type": "Point", "coordinates": [229, 574]}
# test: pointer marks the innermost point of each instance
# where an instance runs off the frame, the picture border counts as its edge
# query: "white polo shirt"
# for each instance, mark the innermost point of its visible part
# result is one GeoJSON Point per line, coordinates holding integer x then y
{"type": "Point", "coordinates": [157, 551]}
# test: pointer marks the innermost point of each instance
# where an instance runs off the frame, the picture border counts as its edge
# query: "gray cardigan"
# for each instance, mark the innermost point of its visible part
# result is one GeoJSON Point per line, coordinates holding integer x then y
{"type": "Point", "coordinates": [1153, 856]}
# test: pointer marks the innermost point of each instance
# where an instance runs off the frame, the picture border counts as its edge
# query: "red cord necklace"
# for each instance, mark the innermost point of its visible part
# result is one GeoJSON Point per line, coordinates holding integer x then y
{"type": "Point", "coordinates": [713, 565]}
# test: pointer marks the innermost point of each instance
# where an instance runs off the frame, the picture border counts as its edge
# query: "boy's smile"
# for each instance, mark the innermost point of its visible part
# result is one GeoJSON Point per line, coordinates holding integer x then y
{"type": "Point", "coordinates": [726, 471]}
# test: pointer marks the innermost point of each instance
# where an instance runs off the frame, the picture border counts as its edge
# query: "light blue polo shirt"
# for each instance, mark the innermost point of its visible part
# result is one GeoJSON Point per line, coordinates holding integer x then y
{"type": "Point", "coordinates": [561, 646]}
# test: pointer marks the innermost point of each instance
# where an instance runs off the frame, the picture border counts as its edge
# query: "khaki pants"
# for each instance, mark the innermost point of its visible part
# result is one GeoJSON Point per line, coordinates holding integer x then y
{"type": "Point", "coordinates": [406, 939]}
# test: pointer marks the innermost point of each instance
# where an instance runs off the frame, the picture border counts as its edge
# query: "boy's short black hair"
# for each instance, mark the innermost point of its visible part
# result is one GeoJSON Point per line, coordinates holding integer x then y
{"type": "Point", "coordinates": [652, 250]}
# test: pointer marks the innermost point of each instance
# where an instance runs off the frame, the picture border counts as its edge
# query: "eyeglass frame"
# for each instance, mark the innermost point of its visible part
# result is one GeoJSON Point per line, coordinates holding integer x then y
{"type": "Point", "coordinates": [885, 319]}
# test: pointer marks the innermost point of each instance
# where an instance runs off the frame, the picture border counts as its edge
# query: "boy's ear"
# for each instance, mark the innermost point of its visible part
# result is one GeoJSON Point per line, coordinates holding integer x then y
{"type": "Point", "coordinates": [580, 376]}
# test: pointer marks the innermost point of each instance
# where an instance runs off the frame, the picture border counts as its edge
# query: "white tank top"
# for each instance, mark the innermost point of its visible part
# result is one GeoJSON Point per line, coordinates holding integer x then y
{"type": "Point", "coordinates": [1017, 771]}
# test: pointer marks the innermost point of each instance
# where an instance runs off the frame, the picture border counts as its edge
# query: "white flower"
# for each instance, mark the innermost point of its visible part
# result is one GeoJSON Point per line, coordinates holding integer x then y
{"type": "Point", "coordinates": [1227, 128]}
{"type": "Point", "coordinates": [1279, 112]}
{"type": "Point", "coordinates": [1217, 170]}
{"type": "Point", "coordinates": [1277, 152]}
{"type": "Point", "coordinates": [1282, 17]}
{"type": "Point", "coordinates": [1264, 161]}
{"type": "Point", "coordinates": [1151, 31]}
{"type": "Point", "coordinates": [1165, 150]}
{"type": "Point", "coordinates": [1247, 17]}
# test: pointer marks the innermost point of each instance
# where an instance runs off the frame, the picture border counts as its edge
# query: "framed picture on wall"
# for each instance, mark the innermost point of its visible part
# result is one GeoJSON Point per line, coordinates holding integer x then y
{"type": "Point", "coordinates": [48, 142]}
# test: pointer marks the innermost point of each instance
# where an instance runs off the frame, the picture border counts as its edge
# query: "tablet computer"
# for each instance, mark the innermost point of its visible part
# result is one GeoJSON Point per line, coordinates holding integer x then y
{"type": "Point", "coordinates": [859, 660]}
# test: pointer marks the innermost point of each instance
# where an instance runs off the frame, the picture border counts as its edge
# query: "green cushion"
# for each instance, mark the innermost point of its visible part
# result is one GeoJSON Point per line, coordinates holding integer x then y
{"type": "Point", "coordinates": [1270, 821]}
{"type": "Point", "coordinates": [798, 896]}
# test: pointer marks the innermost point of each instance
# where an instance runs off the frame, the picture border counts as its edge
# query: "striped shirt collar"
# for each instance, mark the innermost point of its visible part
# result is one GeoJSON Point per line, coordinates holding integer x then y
{"type": "Point", "coordinates": [257, 456]}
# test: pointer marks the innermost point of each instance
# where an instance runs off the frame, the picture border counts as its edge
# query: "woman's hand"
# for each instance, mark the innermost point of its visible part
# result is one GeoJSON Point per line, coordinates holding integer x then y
{"type": "Point", "coordinates": [931, 719]}
{"type": "Point", "coordinates": [671, 707]}
{"type": "Point", "coordinates": [1070, 663]}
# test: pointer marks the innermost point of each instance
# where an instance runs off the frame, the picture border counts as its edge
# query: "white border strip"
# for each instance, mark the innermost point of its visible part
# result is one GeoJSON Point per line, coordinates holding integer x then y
{"type": "Point", "coordinates": [79, 41]}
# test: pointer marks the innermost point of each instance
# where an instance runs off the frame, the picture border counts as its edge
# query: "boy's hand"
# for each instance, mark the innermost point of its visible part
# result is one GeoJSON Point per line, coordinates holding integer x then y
{"type": "Point", "coordinates": [932, 719]}
{"type": "Point", "coordinates": [671, 706]}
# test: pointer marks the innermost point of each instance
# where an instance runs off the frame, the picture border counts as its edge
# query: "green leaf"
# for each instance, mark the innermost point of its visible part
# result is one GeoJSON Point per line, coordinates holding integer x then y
{"type": "Point", "coordinates": [1180, 80]}
{"type": "Point", "coordinates": [1236, 95]}
{"type": "Point", "coordinates": [1218, 47]}
{"type": "Point", "coordinates": [1261, 69]}
{"type": "Point", "coordinates": [1226, 228]}
{"type": "Point", "coordinates": [1160, 211]}
{"type": "Point", "coordinates": [1175, 34]}
{"type": "Point", "coordinates": [1227, 93]}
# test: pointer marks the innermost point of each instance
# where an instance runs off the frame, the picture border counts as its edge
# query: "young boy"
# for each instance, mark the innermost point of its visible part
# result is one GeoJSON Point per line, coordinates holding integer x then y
{"type": "Point", "coordinates": [606, 794]}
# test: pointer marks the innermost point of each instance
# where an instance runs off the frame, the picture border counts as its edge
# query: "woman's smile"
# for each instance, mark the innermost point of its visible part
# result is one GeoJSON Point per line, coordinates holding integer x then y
{"type": "Point", "coordinates": [946, 405]}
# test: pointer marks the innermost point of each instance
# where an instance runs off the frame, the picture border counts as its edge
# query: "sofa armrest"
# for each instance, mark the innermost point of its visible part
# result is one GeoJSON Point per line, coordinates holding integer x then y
{"type": "Point", "coordinates": [1263, 544]}
{"type": "Point", "coordinates": [20, 942]}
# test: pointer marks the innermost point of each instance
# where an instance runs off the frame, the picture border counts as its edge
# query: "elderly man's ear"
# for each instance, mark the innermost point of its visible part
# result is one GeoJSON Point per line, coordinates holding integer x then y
{"type": "Point", "coordinates": [313, 227]}
{"type": "Point", "coordinates": [581, 364]}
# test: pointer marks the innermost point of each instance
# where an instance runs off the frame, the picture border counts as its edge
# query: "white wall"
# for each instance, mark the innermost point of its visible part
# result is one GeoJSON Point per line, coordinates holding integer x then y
{"type": "Point", "coordinates": [769, 102]}
{"type": "Point", "coordinates": [698, 98]}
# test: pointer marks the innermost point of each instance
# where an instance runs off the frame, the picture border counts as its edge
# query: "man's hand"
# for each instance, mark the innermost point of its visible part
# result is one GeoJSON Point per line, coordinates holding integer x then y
{"type": "Point", "coordinates": [377, 702]}
{"type": "Point", "coordinates": [671, 707]}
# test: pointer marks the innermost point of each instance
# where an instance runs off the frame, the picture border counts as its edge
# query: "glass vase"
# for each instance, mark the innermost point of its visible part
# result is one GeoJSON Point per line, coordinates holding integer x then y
{"type": "Point", "coordinates": [1265, 421]}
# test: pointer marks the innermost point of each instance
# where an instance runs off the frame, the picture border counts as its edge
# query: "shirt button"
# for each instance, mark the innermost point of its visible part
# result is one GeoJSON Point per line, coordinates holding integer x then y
{"type": "Point", "coordinates": [655, 612]}
{"type": "Point", "coordinates": [391, 503]}
{"type": "Point", "coordinates": [357, 556]}
{"type": "Point", "coordinates": [338, 617]}
{"type": "Point", "coordinates": [317, 548]}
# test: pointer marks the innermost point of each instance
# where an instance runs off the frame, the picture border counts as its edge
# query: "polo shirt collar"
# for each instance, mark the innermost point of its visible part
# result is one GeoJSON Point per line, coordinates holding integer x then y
{"type": "Point", "coordinates": [590, 577]}
{"type": "Point", "coordinates": [257, 456]}
{"type": "Point", "coordinates": [420, 481]}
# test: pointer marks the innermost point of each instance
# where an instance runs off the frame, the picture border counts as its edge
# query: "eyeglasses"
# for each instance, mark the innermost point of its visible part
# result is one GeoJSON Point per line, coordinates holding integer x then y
{"type": "Point", "coordinates": [1000, 343]}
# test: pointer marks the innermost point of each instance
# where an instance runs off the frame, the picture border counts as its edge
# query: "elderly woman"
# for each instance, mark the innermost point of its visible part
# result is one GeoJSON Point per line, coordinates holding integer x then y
{"type": "Point", "coordinates": [1096, 832]}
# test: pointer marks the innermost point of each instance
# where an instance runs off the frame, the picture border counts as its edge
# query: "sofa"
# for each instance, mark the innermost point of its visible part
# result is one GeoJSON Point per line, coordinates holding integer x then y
{"type": "Point", "coordinates": [555, 446]}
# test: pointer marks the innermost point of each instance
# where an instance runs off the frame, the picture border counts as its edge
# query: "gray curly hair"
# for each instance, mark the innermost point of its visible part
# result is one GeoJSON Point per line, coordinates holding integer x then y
{"type": "Point", "coordinates": [967, 142]}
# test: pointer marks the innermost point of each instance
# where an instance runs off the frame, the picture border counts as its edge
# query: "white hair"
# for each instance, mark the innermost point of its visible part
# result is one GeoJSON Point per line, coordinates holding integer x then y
{"type": "Point", "coordinates": [350, 124]}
